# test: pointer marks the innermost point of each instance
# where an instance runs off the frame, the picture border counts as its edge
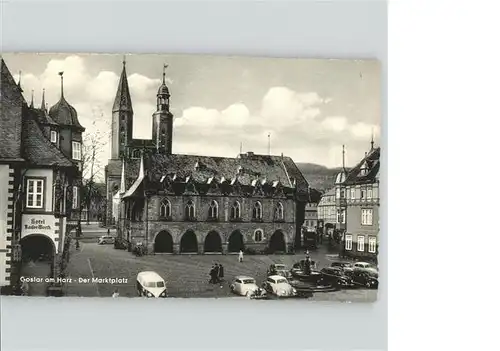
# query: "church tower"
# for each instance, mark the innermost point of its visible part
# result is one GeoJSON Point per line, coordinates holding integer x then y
{"type": "Point", "coordinates": [122, 118]}
{"type": "Point", "coordinates": [162, 120]}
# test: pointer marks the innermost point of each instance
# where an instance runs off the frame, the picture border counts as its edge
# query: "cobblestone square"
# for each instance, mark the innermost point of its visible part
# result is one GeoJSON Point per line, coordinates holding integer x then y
{"type": "Point", "coordinates": [186, 275]}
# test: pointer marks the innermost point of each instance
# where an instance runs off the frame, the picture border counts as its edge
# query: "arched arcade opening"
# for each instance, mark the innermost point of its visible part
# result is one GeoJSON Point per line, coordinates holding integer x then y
{"type": "Point", "coordinates": [37, 247]}
{"type": "Point", "coordinates": [277, 242]}
{"type": "Point", "coordinates": [189, 243]}
{"type": "Point", "coordinates": [163, 243]}
{"type": "Point", "coordinates": [213, 242]}
{"type": "Point", "coordinates": [235, 242]}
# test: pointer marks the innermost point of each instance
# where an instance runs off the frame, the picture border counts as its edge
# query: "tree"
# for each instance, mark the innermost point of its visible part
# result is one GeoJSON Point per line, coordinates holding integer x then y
{"type": "Point", "coordinates": [94, 143]}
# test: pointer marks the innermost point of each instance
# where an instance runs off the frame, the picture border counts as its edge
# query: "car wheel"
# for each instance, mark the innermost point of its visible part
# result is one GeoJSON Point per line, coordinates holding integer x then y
{"type": "Point", "coordinates": [247, 294]}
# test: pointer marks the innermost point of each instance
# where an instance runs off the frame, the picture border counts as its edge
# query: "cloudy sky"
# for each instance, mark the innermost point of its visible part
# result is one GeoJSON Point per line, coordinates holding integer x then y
{"type": "Point", "coordinates": [310, 107]}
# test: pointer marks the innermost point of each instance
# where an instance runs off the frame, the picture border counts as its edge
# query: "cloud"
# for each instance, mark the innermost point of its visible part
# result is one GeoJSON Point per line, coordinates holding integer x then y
{"type": "Point", "coordinates": [302, 124]}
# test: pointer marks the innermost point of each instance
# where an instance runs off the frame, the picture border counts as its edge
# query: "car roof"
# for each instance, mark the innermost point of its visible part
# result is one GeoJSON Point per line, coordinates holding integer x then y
{"type": "Point", "coordinates": [279, 264]}
{"type": "Point", "coordinates": [150, 275]}
{"type": "Point", "coordinates": [362, 263]}
{"type": "Point", "coordinates": [243, 277]}
{"type": "Point", "coordinates": [275, 277]}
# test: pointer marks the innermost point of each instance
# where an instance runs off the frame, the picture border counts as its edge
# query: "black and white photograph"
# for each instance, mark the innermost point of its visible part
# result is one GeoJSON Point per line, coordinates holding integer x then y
{"type": "Point", "coordinates": [189, 176]}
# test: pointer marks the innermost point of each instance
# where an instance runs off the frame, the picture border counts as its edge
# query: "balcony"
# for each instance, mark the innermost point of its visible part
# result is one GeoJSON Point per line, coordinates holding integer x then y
{"type": "Point", "coordinates": [212, 219]}
{"type": "Point", "coordinates": [257, 220]}
{"type": "Point", "coordinates": [190, 219]}
{"type": "Point", "coordinates": [166, 218]}
{"type": "Point", "coordinates": [236, 219]}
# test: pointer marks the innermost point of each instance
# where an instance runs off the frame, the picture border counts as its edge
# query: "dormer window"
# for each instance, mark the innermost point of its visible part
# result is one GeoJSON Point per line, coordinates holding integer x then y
{"type": "Point", "coordinates": [197, 166]}
{"type": "Point", "coordinates": [239, 170]}
{"type": "Point", "coordinates": [77, 150]}
{"type": "Point", "coordinates": [53, 136]}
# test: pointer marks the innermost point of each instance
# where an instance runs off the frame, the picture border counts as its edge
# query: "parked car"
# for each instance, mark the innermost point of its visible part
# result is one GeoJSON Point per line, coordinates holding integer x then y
{"type": "Point", "coordinates": [279, 286]}
{"type": "Point", "coordinates": [106, 240]}
{"type": "Point", "coordinates": [336, 276]}
{"type": "Point", "coordinates": [151, 284]}
{"type": "Point", "coordinates": [244, 286]}
{"type": "Point", "coordinates": [365, 266]}
{"type": "Point", "coordinates": [365, 278]}
{"type": "Point", "coordinates": [345, 265]}
{"type": "Point", "coordinates": [279, 269]}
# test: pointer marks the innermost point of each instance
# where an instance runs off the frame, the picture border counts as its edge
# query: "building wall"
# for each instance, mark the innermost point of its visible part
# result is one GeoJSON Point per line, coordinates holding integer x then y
{"type": "Point", "coordinates": [48, 176]}
{"type": "Point", "coordinates": [224, 226]}
{"type": "Point", "coordinates": [6, 222]}
{"type": "Point", "coordinates": [41, 221]}
{"type": "Point", "coordinates": [357, 229]}
{"type": "Point", "coordinates": [311, 216]}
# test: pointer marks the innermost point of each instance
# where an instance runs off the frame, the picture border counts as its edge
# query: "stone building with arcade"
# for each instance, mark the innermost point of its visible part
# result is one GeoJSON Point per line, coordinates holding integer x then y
{"type": "Point", "coordinates": [40, 180]}
{"type": "Point", "coordinates": [176, 203]}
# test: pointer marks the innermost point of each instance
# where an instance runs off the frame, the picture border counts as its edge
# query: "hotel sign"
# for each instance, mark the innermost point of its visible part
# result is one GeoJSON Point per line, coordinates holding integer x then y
{"type": "Point", "coordinates": [38, 224]}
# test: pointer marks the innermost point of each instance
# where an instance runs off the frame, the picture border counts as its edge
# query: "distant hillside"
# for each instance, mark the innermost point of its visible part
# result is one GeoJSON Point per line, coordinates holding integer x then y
{"type": "Point", "coordinates": [318, 176]}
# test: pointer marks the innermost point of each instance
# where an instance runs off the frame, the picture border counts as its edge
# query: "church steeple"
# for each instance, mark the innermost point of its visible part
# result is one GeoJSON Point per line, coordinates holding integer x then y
{"type": "Point", "coordinates": [163, 119]}
{"type": "Point", "coordinates": [123, 102]}
{"type": "Point", "coordinates": [122, 117]}
{"type": "Point", "coordinates": [42, 106]}
{"type": "Point", "coordinates": [32, 104]}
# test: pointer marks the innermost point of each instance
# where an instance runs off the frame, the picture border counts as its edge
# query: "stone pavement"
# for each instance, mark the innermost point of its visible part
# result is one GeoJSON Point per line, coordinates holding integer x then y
{"type": "Point", "coordinates": [186, 275]}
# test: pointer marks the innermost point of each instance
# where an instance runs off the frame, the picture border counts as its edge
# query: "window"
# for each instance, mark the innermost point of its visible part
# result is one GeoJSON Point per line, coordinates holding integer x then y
{"type": "Point", "coordinates": [369, 194]}
{"type": "Point", "coordinates": [366, 217]}
{"type": "Point", "coordinates": [342, 193]}
{"type": "Point", "coordinates": [75, 203]}
{"type": "Point", "coordinates": [213, 210]}
{"type": "Point", "coordinates": [372, 244]}
{"type": "Point", "coordinates": [279, 211]}
{"type": "Point", "coordinates": [348, 242]}
{"type": "Point", "coordinates": [53, 136]}
{"type": "Point", "coordinates": [190, 213]}
{"type": "Point", "coordinates": [340, 216]}
{"type": "Point", "coordinates": [165, 209]}
{"type": "Point", "coordinates": [258, 235]}
{"type": "Point", "coordinates": [353, 193]}
{"type": "Point", "coordinates": [361, 243]}
{"type": "Point", "coordinates": [77, 151]}
{"type": "Point", "coordinates": [236, 210]}
{"type": "Point", "coordinates": [257, 211]}
{"type": "Point", "coordinates": [363, 191]}
{"type": "Point", "coordinates": [34, 195]}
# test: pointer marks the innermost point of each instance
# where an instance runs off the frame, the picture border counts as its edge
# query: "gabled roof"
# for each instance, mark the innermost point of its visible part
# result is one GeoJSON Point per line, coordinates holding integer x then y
{"type": "Point", "coordinates": [11, 109]}
{"type": "Point", "coordinates": [38, 150]}
{"type": "Point", "coordinates": [372, 162]}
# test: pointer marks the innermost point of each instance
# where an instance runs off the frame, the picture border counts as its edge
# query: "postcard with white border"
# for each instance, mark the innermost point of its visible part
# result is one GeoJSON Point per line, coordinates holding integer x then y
{"type": "Point", "coordinates": [185, 176]}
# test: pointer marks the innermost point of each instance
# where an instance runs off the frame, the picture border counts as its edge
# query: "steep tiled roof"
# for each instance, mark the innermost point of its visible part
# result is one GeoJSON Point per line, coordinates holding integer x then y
{"type": "Point", "coordinates": [203, 169]}
{"type": "Point", "coordinates": [314, 195]}
{"type": "Point", "coordinates": [371, 162]}
{"type": "Point", "coordinates": [43, 117]}
{"type": "Point", "coordinates": [38, 150]}
{"type": "Point", "coordinates": [11, 109]}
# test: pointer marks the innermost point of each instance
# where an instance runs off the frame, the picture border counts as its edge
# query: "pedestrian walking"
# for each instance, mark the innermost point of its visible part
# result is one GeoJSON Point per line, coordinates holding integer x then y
{"type": "Point", "coordinates": [212, 275]}
{"type": "Point", "coordinates": [108, 231]}
{"type": "Point", "coordinates": [115, 293]}
{"type": "Point", "coordinates": [240, 256]}
{"type": "Point", "coordinates": [221, 274]}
